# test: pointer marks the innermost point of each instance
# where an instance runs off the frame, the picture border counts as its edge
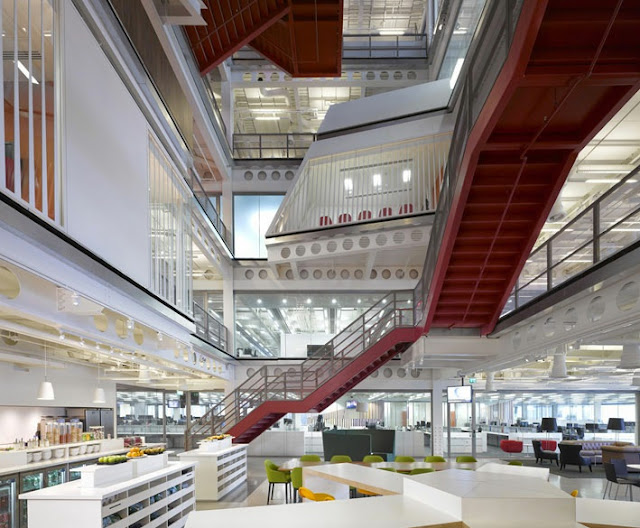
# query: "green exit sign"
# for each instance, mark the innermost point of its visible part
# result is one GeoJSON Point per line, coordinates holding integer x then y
{"type": "Point", "coordinates": [472, 380]}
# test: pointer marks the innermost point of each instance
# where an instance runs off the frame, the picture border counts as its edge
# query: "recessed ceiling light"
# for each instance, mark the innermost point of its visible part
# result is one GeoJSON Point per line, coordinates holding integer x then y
{"type": "Point", "coordinates": [334, 301]}
{"type": "Point", "coordinates": [308, 301]}
{"type": "Point", "coordinates": [284, 301]}
{"type": "Point", "coordinates": [359, 301]}
{"type": "Point", "coordinates": [259, 301]}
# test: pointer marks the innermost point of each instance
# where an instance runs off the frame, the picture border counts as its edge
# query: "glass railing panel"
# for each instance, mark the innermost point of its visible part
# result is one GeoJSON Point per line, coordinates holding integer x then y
{"type": "Point", "coordinates": [621, 234]}
{"type": "Point", "coordinates": [573, 236]}
{"type": "Point", "coordinates": [532, 289]}
{"type": "Point", "coordinates": [534, 266]}
{"type": "Point", "coordinates": [271, 146]}
{"type": "Point", "coordinates": [575, 262]}
{"type": "Point", "coordinates": [510, 305]}
{"type": "Point", "coordinates": [409, 46]}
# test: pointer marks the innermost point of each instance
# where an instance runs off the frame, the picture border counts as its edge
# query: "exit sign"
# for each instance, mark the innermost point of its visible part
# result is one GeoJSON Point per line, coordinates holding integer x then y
{"type": "Point", "coordinates": [472, 380]}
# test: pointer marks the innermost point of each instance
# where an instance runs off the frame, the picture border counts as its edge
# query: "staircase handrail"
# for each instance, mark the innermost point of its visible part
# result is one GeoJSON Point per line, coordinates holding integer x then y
{"type": "Point", "coordinates": [335, 355]}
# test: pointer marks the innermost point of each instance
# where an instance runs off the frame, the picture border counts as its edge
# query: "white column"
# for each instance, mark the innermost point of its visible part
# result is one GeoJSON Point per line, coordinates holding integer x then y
{"type": "Point", "coordinates": [227, 109]}
{"type": "Point", "coordinates": [227, 203]}
{"type": "Point", "coordinates": [228, 309]}
{"type": "Point", "coordinates": [437, 419]}
{"type": "Point", "coordinates": [637, 418]}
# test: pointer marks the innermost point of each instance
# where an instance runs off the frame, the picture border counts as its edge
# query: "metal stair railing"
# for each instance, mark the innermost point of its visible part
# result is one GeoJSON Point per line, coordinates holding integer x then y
{"type": "Point", "coordinates": [395, 310]}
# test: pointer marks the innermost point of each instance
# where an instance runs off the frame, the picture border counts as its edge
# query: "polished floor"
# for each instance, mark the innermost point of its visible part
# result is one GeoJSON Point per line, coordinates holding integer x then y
{"type": "Point", "coordinates": [254, 492]}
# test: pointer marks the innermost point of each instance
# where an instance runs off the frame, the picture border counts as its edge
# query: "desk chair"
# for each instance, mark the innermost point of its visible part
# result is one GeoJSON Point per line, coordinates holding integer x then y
{"type": "Point", "coordinates": [372, 459]}
{"type": "Point", "coordinates": [276, 477]}
{"type": "Point", "coordinates": [465, 459]}
{"type": "Point", "coordinates": [340, 459]}
{"type": "Point", "coordinates": [306, 493]}
{"type": "Point", "coordinates": [434, 458]}
{"type": "Point", "coordinates": [310, 458]}
{"type": "Point", "coordinates": [296, 482]}
{"type": "Point", "coordinates": [404, 459]}
{"type": "Point", "coordinates": [420, 471]}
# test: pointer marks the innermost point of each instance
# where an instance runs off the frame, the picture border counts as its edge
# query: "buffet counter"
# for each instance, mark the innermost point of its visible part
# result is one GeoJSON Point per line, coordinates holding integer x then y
{"type": "Point", "coordinates": [279, 443]}
{"type": "Point", "coordinates": [217, 472]}
{"type": "Point", "coordinates": [160, 498]}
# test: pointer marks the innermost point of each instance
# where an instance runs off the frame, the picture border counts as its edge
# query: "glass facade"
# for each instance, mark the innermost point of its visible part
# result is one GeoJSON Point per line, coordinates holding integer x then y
{"type": "Point", "coordinates": [272, 324]}
{"type": "Point", "coordinates": [253, 214]}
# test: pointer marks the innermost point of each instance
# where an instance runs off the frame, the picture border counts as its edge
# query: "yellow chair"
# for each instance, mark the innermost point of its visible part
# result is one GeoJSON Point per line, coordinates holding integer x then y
{"type": "Point", "coordinates": [306, 493]}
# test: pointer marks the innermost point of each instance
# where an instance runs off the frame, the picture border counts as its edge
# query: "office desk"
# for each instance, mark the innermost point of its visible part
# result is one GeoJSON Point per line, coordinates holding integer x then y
{"type": "Point", "coordinates": [400, 467]}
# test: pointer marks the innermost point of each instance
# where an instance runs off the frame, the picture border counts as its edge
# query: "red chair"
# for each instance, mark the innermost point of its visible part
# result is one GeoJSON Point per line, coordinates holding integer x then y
{"type": "Point", "coordinates": [406, 209]}
{"type": "Point", "coordinates": [511, 446]}
{"type": "Point", "coordinates": [548, 445]}
{"type": "Point", "coordinates": [344, 218]}
{"type": "Point", "coordinates": [364, 215]}
{"type": "Point", "coordinates": [385, 211]}
{"type": "Point", "coordinates": [325, 221]}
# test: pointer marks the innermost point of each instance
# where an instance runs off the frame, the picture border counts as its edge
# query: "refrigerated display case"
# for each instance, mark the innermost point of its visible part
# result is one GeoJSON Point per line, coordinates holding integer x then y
{"type": "Point", "coordinates": [29, 482]}
{"type": "Point", "coordinates": [55, 475]}
{"type": "Point", "coordinates": [8, 501]}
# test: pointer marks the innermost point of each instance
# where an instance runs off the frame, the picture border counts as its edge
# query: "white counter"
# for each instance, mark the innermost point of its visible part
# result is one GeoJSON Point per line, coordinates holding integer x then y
{"type": "Point", "coordinates": [278, 444]}
{"type": "Point", "coordinates": [461, 442]}
{"type": "Point", "coordinates": [218, 472]}
{"type": "Point", "coordinates": [71, 504]}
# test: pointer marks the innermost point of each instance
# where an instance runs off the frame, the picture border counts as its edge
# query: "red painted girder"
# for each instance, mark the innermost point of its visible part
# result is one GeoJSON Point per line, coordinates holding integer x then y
{"type": "Point", "coordinates": [390, 345]}
{"type": "Point", "coordinates": [302, 37]}
{"type": "Point", "coordinates": [532, 121]}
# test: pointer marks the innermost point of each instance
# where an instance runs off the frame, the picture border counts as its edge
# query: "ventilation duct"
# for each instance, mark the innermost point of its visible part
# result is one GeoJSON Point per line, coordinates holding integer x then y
{"type": "Point", "coordinates": [275, 92]}
{"type": "Point", "coordinates": [559, 367]}
{"type": "Point", "coordinates": [630, 358]}
{"type": "Point", "coordinates": [489, 385]}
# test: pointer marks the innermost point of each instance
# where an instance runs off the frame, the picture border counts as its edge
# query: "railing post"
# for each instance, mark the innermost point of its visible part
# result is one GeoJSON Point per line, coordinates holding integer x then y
{"type": "Point", "coordinates": [596, 232]}
{"type": "Point", "coordinates": [549, 264]}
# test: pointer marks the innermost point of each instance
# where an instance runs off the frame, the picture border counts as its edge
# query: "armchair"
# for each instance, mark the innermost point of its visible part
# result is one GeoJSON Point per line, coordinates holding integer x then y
{"type": "Point", "coordinates": [570, 454]}
{"type": "Point", "coordinates": [543, 454]}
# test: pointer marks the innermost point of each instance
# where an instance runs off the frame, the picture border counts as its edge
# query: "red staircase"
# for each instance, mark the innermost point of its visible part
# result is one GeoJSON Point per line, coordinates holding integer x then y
{"type": "Point", "coordinates": [571, 66]}
{"type": "Point", "coordinates": [302, 37]}
{"type": "Point", "coordinates": [381, 333]}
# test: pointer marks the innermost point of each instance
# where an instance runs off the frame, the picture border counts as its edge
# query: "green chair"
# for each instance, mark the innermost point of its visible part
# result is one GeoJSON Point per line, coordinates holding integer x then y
{"type": "Point", "coordinates": [434, 458]}
{"type": "Point", "coordinates": [404, 459]}
{"type": "Point", "coordinates": [296, 482]}
{"type": "Point", "coordinates": [310, 458]}
{"type": "Point", "coordinates": [465, 459]}
{"type": "Point", "coordinates": [420, 471]}
{"type": "Point", "coordinates": [340, 459]}
{"type": "Point", "coordinates": [276, 477]}
{"type": "Point", "coordinates": [372, 459]}
{"type": "Point", "coordinates": [514, 463]}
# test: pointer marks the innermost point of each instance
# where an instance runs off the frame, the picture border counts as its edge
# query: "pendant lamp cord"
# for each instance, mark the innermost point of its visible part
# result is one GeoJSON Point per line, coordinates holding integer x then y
{"type": "Point", "coordinates": [45, 362]}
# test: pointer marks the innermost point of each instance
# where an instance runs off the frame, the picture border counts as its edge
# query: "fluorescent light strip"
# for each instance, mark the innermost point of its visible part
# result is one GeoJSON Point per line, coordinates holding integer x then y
{"type": "Point", "coordinates": [24, 71]}
{"type": "Point", "coordinates": [391, 32]}
{"type": "Point", "coordinates": [456, 72]}
{"type": "Point", "coordinates": [267, 118]}
{"type": "Point", "coordinates": [604, 180]}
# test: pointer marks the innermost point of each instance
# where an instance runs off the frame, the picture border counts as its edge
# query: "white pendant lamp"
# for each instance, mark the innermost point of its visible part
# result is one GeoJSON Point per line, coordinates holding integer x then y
{"type": "Point", "coordinates": [99, 396]}
{"type": "Point", "coordinates": [488, 384]}
{"type": "Point", "coordinates": [98, 393]}
{"type": "Point", "coordinates": [45, 392]}
{"type": "Point", "coordinates": [630, 358]}
{"type": "Point", "coordinates": [559, 366]}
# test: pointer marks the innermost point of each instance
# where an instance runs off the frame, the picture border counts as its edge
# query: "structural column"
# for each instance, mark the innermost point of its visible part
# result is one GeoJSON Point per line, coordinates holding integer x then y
{"type": "Point", "coordinates": [637, 418]}
{"type": "Point", "coordinates": [437, 419]}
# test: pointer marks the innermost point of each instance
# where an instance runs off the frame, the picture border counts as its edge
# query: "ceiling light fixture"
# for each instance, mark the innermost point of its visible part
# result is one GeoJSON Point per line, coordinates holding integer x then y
{"type": "Point", "coordinates": [391, 32]}
{"type": "Point", "coordinates": [308, 301]}
{"type": "Point", "coordinates": [348, 185]}
{"type": "Point", "coordinates": [406, 176]}
{"type": "Point", "coordinates": [98, 393]}
{"type": "Point", "coordinates": [267, 118]}
{"type": "Point", "coordinates": [45, 392]}
{"type": "Point", "coordinates": [61, 336]}
{"type": "Point", "coordinates": [334, 301]}
{"type": "Point", "coordinates": [75, 299]}
{"type": "Point", "coordinates": [259, 301]}
{"type": "Point", "coordinates": [160, 337]}
{"type": "Point", "coordinates": [284, 301]}
{"type": "Point", "coordinates": [359, 301]}
{"type": "Point", "coordinates": [377, 180]}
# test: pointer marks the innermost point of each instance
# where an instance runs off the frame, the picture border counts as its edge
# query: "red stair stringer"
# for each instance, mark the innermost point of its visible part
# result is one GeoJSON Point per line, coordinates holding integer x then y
{"type": "Point", "coordinates": [268, 413]}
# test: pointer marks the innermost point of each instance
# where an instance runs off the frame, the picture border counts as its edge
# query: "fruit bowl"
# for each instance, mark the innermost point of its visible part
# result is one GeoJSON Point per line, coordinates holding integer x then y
{"type": "Point", "coordinates": [112, 460]}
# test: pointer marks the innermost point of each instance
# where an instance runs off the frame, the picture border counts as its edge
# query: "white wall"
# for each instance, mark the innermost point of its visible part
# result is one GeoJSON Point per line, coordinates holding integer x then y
{"type": "Point", "coordinates": [73, 387]}
{"type": "Point", "coordinates": [21, 422]}
{"type": "Point", "coordinates": [105, 145]}
{"type": "Point", "coordinates": [295, 345]}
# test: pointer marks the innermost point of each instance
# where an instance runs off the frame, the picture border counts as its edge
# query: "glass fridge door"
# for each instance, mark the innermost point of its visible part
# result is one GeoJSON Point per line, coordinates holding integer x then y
{"type": "Point", "coordinates": [8, 502]}
{"type": "Point", "coordinates": [29, 482]}
{"type": "Point", "coordinates": [56, 476]}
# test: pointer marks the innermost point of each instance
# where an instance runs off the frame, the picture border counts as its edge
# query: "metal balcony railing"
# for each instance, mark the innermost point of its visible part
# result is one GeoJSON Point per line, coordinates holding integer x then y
{"type": "Point", "coordinates": [409, 46]}
{"type": "Point", "coordinates": [271, 146]}
{"type": "Point", "coordinates": [202, 198]}
{"type": "Point", "coordinates": [606, 227]}
{"type": "Point", "coordinates": [395, 310]}
{"type": "Point", "coordinates": [487, 54]}
{"type": "Point", "coordinates": [210, 329]}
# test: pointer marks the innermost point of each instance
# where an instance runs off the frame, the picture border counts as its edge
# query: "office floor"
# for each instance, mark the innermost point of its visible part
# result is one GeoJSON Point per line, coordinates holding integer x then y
{"type": "Point", "coordinates": [254, 492]}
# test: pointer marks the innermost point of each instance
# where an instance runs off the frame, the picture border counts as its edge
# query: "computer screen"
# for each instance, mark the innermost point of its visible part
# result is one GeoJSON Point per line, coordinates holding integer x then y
{"type": "Point", "coordinates": [173, 404]}
{"type": "Point", "coordinates": [351, 404]}
{"type": "Point", "coordinates": [459, 394]}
